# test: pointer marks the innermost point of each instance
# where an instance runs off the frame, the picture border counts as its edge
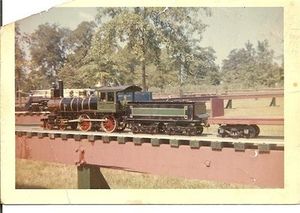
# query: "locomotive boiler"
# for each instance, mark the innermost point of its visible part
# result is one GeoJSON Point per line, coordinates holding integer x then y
{"type": "Point", "coordinates": [72, 104]}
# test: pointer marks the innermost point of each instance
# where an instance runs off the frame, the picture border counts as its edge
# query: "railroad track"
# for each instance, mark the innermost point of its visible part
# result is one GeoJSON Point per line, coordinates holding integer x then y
{"type": "Point", "coordinates": [262, 143]}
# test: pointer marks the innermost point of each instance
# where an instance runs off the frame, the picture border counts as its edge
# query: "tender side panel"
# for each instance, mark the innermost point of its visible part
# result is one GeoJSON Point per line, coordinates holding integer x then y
{"type": "Point", "coordinates": [164, 111]}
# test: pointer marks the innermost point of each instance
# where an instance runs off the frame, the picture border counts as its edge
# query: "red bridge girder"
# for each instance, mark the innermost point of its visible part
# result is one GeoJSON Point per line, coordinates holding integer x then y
{"type": "Point", "coordinates": [249, 167]}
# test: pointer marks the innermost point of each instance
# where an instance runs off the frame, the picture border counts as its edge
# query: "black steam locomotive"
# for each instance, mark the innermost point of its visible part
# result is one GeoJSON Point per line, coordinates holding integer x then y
{"type": "Point", "coordinates": [113, 109]}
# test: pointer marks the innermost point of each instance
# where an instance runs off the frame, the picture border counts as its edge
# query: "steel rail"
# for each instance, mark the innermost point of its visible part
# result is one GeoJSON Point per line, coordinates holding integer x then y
{"type": "Point", "coordinates": [146, 138]}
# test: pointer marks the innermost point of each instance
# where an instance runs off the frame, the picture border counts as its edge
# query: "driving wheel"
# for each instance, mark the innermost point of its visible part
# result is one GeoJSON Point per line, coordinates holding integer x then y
{"type": "Point", "coordinates": [84, 123]}
{"type": "Point", "coordinates": [110, 124]}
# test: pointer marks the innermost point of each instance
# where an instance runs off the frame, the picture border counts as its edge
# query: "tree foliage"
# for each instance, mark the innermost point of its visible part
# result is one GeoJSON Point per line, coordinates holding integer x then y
{"type": "Point", "coordinates": [252, 67]}
{"type": "Point", "coordinates": [140, 35]}
{"type": "Point", "coordinates": [152, 47]}
{"type": "Point", "coordinates": [126, 46]}
{"type": "Point", "coordinates": [49, 49]}
{"type": "Point", "coordinates": [20, 71]}
{"type": "Point", "coordinates": [79, 43]}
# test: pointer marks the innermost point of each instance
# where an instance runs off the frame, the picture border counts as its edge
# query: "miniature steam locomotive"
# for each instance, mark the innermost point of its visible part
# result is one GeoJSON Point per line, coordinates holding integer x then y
{"type": "Point", "coordinates": [113, 109]}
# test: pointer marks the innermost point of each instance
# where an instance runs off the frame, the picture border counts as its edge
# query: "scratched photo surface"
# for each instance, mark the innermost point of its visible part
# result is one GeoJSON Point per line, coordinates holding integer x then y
{"type": "Point", "coordinates": [150, 98]}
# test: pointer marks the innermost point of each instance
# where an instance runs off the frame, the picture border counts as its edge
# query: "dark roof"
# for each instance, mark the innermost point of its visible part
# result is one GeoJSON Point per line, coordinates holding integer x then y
{"type": "Point", "coordinates": [125, 88]}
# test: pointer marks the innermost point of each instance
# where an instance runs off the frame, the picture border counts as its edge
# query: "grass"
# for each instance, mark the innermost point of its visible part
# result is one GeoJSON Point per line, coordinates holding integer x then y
{"type": "Point", "coordinates": [33, 174]}
{"type": "Point", "coordinates": [41, 175]}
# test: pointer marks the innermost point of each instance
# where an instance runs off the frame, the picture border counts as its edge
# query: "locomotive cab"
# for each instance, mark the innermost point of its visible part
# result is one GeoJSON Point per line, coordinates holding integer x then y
{"type": "Point", "coordinates": [113, 99]}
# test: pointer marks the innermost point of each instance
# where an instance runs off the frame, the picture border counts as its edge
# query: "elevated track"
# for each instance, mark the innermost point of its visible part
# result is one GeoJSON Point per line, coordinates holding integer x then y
{"type": "Point", "coordinates": [157, 139]}
{"type": "Point", "coordinates": [257, 162]}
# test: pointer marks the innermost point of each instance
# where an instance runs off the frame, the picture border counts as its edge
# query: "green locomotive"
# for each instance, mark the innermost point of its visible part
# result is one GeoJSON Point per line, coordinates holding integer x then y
{"type": "Point", "coordinates": [111, 109]}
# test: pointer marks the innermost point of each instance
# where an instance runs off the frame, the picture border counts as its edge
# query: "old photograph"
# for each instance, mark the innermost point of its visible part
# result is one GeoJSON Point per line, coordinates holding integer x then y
{"type": "Point", "coordinates": [150, 98]}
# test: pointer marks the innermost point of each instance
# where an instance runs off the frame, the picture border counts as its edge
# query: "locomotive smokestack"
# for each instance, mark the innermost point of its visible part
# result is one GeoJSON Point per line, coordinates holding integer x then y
{"type": "Point", "coordinates": [61, 88]}
{"type": "Point", "coordinates": [52, 90]}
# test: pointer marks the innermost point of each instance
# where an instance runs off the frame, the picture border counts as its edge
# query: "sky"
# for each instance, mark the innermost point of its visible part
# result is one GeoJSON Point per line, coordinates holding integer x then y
{"type": "Point", "coordinates": [228, 28]}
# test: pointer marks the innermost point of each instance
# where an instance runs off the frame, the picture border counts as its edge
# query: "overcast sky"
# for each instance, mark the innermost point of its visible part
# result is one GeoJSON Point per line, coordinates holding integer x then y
{"type": "Point", "coordinates": [228, 28]}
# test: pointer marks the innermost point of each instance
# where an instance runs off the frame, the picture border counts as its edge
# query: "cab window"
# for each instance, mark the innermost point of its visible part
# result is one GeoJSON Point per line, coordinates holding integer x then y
{"type": "Point", "coordinates": [103, 96]}
{"type": "Point", "coordinates": [110, 96]}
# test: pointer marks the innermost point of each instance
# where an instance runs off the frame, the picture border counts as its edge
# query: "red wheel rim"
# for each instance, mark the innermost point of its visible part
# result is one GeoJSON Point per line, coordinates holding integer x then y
{"type": "Point", "coordinates": [110, 124]}
{"type": "Point", "coordinates": [85, 125]}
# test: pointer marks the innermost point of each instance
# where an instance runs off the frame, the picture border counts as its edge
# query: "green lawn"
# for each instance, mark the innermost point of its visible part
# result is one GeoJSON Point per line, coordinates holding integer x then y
{"type": "Point", "coordinates": [35, 174]}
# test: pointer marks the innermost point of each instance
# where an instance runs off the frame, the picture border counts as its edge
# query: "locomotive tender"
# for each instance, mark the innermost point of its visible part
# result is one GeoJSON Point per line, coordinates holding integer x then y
{"type": "Point", "coordinates": [113, 109]}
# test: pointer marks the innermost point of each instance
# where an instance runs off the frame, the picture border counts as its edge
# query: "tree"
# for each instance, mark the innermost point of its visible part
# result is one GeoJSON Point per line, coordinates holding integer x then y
{"type": "Point", "coordinates": [240, 66]}
{"type": "Point", "coordinates": [202, 66]}
{"type": "Point", "coordinates": [265, 64]}
{"type": "Point", "coordinates": [49, 50]}
{"type": "Point", "coordinates": [79, 43]}
{"type": "Point", "coordinates": [163, 74]}
{"type": "Point", "coordinates": [143, 33]}
{"type": "Point", "coordinates": [251, 67]}
{"type": "Point", "coordinates": [21, 63]}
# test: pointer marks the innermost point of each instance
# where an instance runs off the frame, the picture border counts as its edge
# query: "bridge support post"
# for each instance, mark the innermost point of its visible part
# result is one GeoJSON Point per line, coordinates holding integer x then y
{"type": "Point", "coordinates": [273, 102]}
{"type": "Point", "coordinates": [229, 104]}
{"type": "Point", "coordinates": [90, 177]}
